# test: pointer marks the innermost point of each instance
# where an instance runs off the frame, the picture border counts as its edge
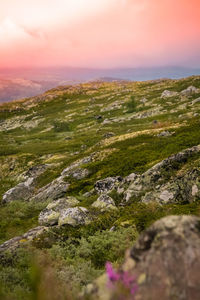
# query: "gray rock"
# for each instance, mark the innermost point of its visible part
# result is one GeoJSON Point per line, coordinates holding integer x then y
{"type": "Point", "coordinates": [168, 94]}
{"type": "Point", "coordinates": [50, 215]}
{"type": "Point", "coordinates": [107, 184]}
{"type": "Point", "coordinates": [190, 91]}
{"type": "Point", "coordinates": [52, 191]}
{"type": "Point", "coordinates": [181, 189]}
{"type": "Point", "coordinates": [24, 190]}
{"type": "Point", "coordinates": [80, 173]}
{"type": "Point", "coordinates": [143, 100]}
{"type": "Point", "coordinates": [74, 216]}
{"type": "Point", "coordinates": [104, 202]}
{"type": "Point", "coordinates": [196, 101]}
{"type": "Point", "coordinates": [164, 263]}
{"type": "Point", "coordinates": [21, 240]}
{"type": "Point", "coordinates": [147, 182]}
{"type": "Point", "coordinates": [164, 134]}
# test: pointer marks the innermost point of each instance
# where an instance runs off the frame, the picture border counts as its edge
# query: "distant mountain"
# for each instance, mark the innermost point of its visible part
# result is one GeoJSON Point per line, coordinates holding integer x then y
{"type": "Point", "coordinates": [12, 89]}
{"type": "Point", "coordinates": [36, 81]}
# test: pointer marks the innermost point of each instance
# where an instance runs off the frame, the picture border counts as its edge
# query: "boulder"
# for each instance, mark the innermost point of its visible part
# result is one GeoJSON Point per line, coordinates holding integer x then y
{"type": "Point", "coordinates": [107, 184]}
{"type": "Point", "coordinates": [52, 191]}
{"type": "Point", "coordinates": [164, 264]}
{"type": "Point", "coordinates": [178, 186]}
{"type": "Point", "coordinates": [179, 189]}
{"type": "Point", "coordinates": [74, 216]}
{"type": "Point", "coordinates": [168, 94]}
{"type": "Point", "coordinates": [24, 190]}
{"type": "Point", "coordinates": [190, 91]}
{"type": "Point", "coordinates": [104, 202]}
{"type": "Point", "coordinates": [50, 215]}
{"type": "Point", "coordinates": [18, 241]}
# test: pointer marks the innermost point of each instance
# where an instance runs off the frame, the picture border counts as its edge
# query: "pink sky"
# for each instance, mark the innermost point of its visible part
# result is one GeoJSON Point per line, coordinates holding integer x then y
{"type": "Point", "coordinates": [99, 33]}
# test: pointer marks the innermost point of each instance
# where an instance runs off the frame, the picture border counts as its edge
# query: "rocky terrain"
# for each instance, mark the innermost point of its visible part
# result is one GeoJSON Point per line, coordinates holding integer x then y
{"type": "Point", "coordinates": [85, 168]}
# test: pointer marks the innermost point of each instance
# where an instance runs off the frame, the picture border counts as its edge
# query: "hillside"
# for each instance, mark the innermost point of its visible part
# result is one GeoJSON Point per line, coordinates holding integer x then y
{"type": "Point", "coordinates": [84, 169]}
{"type": "Point", "coordinates": [17, 88]}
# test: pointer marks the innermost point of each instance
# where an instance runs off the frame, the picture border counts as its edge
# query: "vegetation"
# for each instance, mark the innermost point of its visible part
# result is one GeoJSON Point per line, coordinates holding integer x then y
{"type": "Point", "coordinates": [131, 105]}
{"type": "Point", "coordinates": [65, 129]}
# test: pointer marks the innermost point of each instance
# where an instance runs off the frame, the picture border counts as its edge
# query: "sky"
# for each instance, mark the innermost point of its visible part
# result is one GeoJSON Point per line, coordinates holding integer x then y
{"type": "Point", "coordinates": [99, 33]}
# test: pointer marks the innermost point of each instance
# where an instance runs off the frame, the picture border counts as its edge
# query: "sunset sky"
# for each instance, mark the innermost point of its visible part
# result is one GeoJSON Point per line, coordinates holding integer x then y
{"type": "Point", "coordinates": [99, 33]}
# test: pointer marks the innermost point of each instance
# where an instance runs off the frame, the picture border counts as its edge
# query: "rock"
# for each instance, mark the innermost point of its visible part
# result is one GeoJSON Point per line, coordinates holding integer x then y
{"type": "Point", "coordinates": [108, 135]}
{"type": "Point", "coordinates": [168, 254]}
{"type": "Point", "coordinates": [107, 184]}
{"type": "Point", "coordinates": [195, 101]}
{"type": "Point", "coordinates": [18, 241]}
{"type": "Point", "coordinates": [52, 191]}
{"type": "Point", "coordinates": [181, 189]}
{"type": "Point", "coordinates": [190, 91]}
{"type": "Point", "coordinates": [79, 173]}
{"type": "Point", "coordinates": [164, 134]}
{"type": "Point", "coordinates": [99, 117]}
{"type": "Point", "coordinates": [168, 94]}
{"type": "Point", "coordinates": [143, 100]}
{"type": "Point", "coordinates": [24, 190]}
{"type": "Point", "coordinates": [179, 186]}
{"type": "Point", "coordinates": [104, 202]}
{"type": "Point", "coordinates": [35, 171]}
{"type": "Point", "coordinates": [164, 264]}
{"type": "Point", "coordinates": [50, 215]}
{"type": "Point", "coordinates": [107, 121]}
{"type": "Point", "coordinates": [76, 167]}
{"type": "Point", "coordinates": [74, 216]}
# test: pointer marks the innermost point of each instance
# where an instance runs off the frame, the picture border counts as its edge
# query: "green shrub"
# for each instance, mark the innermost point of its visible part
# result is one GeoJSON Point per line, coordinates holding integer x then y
{"type": "Point", "coordinates": [131, 105]}
{"type": "Point", "coordinates": [61, 126]}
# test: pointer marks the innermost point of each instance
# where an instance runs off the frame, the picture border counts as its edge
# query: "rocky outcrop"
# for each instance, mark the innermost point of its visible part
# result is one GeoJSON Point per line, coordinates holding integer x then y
{"type": "Point", "coordinates": [155, 184]}
{"type": "Point", "coordinates": [168, 94]}
{"type": "Point", "coordinates": [18, 241]}
{"type": "Point", "coordinates": [164, 264]}
{"type": "Point", "coordinates": [190, 91]}
{"type": "Point", "coordinates": [181, 189]}
{"type": "Point", "coordinates": [50, 215]}
{"type": "Point", "coordinates": [104, 202]}
{"type": "Point", "coordinates": [74, 216]}
{"type": "Point", "coordinates": [52, 191]}
{"type": "Point", "coordinates": [24, 190]}
{"type": "Point", "coordinates": [107, 184]}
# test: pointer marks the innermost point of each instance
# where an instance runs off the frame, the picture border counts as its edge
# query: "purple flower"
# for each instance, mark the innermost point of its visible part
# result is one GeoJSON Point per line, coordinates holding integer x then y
{"type": "Point", "coordinates": [112, 275]}
{"type": "Point", "coordinates": [123, 278]}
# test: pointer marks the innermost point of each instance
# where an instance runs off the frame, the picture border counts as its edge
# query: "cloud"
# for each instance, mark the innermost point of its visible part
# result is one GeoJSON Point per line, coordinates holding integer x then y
{"type": "Point", "coordinates": [99, 33]}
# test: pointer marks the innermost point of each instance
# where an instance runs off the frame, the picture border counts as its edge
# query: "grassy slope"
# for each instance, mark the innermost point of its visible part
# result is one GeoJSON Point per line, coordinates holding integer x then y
{"type": "Point", "coordinates": [68, 130]}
